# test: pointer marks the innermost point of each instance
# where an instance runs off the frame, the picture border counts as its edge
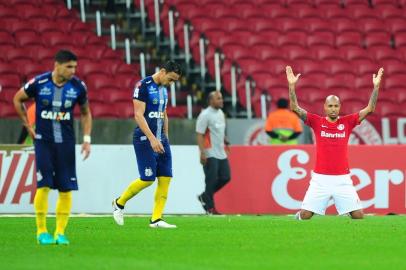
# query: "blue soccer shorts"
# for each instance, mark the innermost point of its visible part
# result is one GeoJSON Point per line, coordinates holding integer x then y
{"type": "Point", "coordinates": [56, 165]}
{"type": "Point", "coordinates": [151, 164]}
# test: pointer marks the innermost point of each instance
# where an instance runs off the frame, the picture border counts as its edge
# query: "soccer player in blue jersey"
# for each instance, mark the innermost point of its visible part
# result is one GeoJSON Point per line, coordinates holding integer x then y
{"type": "Point", "coordinates": [55, 93]}
{"type": "Point", "coordinates": [151, 143]}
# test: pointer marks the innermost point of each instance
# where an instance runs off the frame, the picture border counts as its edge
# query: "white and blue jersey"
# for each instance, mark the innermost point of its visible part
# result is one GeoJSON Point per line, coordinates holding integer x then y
{"type": "Point", "coordinates": [55, 140]}
{"type": "Point", "coordinates": [151, 164]}
{"type": "Point", "coordinates": [155, 98]}
{"type": "Point", "coordinates": [54, 107]}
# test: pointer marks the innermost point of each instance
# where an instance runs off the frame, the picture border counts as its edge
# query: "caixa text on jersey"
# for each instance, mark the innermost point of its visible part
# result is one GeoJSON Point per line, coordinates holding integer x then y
{"type": "Point", "coordinates": [59, 116]}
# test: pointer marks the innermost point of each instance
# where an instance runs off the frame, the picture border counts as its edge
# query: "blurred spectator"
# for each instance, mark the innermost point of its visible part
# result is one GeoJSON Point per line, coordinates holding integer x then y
{"type": "Point", "coordinates": [282, 125]}
{"type": "Point", "coordinates": [24, 137]}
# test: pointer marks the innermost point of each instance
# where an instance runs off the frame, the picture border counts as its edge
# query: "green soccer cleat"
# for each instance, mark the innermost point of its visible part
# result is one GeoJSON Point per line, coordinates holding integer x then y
{"type": "Point", "coordinates": [45, 239]}
{"type": "Point", "coordinates": [61, 239]}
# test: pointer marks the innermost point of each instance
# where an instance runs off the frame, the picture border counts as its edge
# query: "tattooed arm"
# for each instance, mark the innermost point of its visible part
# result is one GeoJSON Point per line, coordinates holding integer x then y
{"type": "Point", "coordinates": [376, 79]}
{"type": "Point", "coordinates": [292, 80]}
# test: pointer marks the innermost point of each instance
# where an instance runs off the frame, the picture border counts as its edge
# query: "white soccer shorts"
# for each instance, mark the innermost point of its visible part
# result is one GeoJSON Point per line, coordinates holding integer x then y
{"type": "Point", "coordinates": [322, 188]}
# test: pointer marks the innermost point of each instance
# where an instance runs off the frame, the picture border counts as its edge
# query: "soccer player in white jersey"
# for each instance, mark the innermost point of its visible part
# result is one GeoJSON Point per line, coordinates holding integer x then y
{"type": "Point", "coordinates": [331, 175]}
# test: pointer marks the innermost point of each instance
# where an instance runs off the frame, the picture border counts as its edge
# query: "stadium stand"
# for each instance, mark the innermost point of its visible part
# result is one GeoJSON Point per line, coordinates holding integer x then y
{"type": "Point", "coordinates": [30, 34]}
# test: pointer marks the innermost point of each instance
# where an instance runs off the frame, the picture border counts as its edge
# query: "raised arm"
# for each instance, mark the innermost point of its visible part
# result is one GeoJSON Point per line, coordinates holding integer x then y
{"type": "Point", "coordinates": [376, 79]}
{"type": "Point", "coordinates": [292, 80]}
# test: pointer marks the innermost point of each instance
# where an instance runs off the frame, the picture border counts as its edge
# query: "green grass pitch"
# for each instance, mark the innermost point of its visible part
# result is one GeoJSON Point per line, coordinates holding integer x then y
{"type": "Point", "coordinates": [210, 242]}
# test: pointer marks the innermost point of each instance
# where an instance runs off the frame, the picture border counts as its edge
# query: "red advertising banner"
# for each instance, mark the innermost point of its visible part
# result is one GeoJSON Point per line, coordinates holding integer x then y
{"type": "Point", "coordinates": [274, 179]}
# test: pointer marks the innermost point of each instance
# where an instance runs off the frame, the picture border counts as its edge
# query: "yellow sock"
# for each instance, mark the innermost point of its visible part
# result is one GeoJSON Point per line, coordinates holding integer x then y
{"type": "Point", "coordinates": [161, 193]}
{"type": "Point", "coordinates": [41, 209]}
{"type": "Point", "coordinates": [133, 189]}
{"type": "Point", "coordinates": [63, 207]}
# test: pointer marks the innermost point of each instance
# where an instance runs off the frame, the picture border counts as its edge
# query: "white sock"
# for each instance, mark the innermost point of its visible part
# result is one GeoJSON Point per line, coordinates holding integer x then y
{"type": "Point", "coordinates": [297, 216]}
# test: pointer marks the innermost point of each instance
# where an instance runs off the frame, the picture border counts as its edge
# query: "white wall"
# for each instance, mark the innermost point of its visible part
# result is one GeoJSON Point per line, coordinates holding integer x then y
{"type": "Point", "coordinates": [107, 172]}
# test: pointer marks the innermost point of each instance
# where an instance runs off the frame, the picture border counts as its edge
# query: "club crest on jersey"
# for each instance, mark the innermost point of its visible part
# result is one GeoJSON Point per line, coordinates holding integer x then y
{"type": "Point", "coordinates": [156, 115]}
{"type": "Point", "coordinates": [340, 127]}
{"type": "Point", "coordinates": [68, 103]}
{"type": "Point", "coordinates": [155, 101]}
{"type": "Point", "coordinates": [58, 116]}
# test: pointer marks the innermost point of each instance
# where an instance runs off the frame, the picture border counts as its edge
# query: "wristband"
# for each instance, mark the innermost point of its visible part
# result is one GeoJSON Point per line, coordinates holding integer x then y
{"type": "Point", "coordinates": [87, 139]}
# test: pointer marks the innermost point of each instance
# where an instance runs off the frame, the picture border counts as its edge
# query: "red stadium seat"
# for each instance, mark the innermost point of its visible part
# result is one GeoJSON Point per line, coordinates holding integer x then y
{"type": "Point", "coordinates": [264, 40]}
{"type": "Point", "coordinates": [18, 53]}
{"type": "Point", "coordinates": [261, 24]}
{"type": "Point", "coordinates": [293, 38]}
{"type": "Point", "coordinates": [383, 3]}
{"type": "Point", "coordinates": [298, 53]}
{"type": "Point", "coordinates": [394, 82]}
{"type": "Point", "coordinates": [395, 68]}
{"type": "Point", "coordinates": [57, 39]}
{"type": "Point", "coordinates": [235, 51]}
{"type": "Point", "coordinates": [390, 12]}
{"type": "Point", "coordinates": [7, 110]}
{"type": "Point", "coordinates": [340, 67]}
{"type": "Point", "coordinates": [307, 12]}
{"type": "Point", "coordinates": [372, 25]}
{"type": "Point", "coordinates": [263, 52]}
{"type": "Point", "coordinates": [364, 66]}
{"type": "Point", "coordinates": [345, 25]}
{"type": "Point", "coordinates": [388, 109]}
{"type": "Point", "coordinates": [363, 82]}
{"type": "Point", "coordinates": [8, 68]}
{"type": "Point", "coordinates": [266, 80]}
{"type": "Point", "coordinates": [334, 13]}
{"type": "Point", "coordinates": [383, 53]}
{"type": "Point", "coordinates": [355, 53]}
{"type": "Point", "coordinates": [28, 38]}
{"type": "Point", "coordinates": [395, 25]}
{"type": "Point", "coordinates": [348, 38]}
{"type": "Point", "coordinates": [8, 13]}
{"type": "Point", "coordinates": [351, 106]}
{"type": "Point", "coordinates": [7, 39]}
{"type": "Point", "coordinates": [289, 25]}
{"type": "Point", "coordinates": [311, 81]}
{"type": "Point", "coordinates": [176, 112]}
{"type": "Point", "coordinates": [112, 95]}
{"type": "Point", "coordinates": [361, 12]}
{"type": "Point", "coordinates": [101, 110]}
{"type": "Point", "coordinates": [306, 67]}
{"type": "Point", "coordinates": [276, 66]}
{"type": "Point", "coordinates": [125, 109]}
{"type": "Point", "coordinates": [327, 53]}
{"type": "Point", "coordinates": [126, 82]}
{"type": "Point", "coordinates": [100, 82]}
{"type": "Point", "coordinates": [319, 25]}
{"type": "Point", "coordinates": [10, 81]}
{"type": "Point", "coordinates": [29, 12]}
{"type": "Point", "coordinates": [321, 38]}
{"type": "Point", "coordinates": [378, 39]}
{"type": "Point", "coordinates": [334, 83]}
{"type": "Point", "coordinates": [356, 3]}
{"type": "Point", "coordinates": [400, 40]}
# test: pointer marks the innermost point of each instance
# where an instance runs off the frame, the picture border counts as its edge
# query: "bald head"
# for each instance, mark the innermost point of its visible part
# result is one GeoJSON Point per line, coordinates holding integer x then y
{"type": "Point", "coordinates": [215, 99]}
{"type": "Point", "coordinates": [332, 98]}
{"type": "Point", "coordinates": [332, 107]}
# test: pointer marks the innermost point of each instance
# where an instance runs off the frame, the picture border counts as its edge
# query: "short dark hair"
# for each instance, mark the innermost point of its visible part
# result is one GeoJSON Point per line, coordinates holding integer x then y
{"type": "Point", "coordinates": [172, 66]}
{"type": "Point", "coordinates": [282, 103]}
{"type": "Point", "coordinates": [63, 56]}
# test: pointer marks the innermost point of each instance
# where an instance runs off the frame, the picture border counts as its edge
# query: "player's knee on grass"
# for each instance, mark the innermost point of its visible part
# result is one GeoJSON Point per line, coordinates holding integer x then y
{"type": "Point", "coordinates": [357, 214]}
{"type": "Point", "coordinates": [305, 214]}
